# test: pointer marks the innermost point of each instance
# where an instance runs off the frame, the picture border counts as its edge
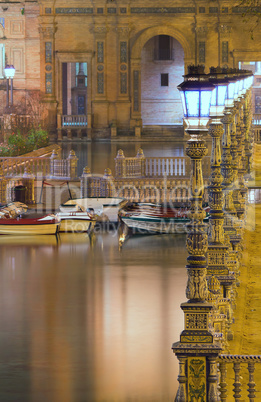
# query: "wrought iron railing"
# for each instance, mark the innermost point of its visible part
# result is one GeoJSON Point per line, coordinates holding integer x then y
{"type": "Point", "coordinates": [74, 121]}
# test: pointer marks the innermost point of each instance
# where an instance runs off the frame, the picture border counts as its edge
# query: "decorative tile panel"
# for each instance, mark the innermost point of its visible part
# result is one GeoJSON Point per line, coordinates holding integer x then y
{"type": "Point", "coordinates": [123, 83]}
{"type": "Point", "coordinates": [48, 10]}
{"type": "Point", "coordinates": [99, 10]}
{"type": "Point", "coordinates": [224, 52]}
{"type": "Point", "coordinates": [100, 52]}
{"type": "Point", "coordinates": [197, 387]}
{"type": "Point", "coordinates": [202, 10]}
{"type": "Point", "coordinates": [224, 10]}
{"type": "Point", "coordinates": [123, 52]}
{"type": "Point", "coordinates": [48, 83]}
{"type": "Point", "coordinates": [48, 52]}
{"type": "Point", "coordinates": [201, 52]}
{"type": "Point", "coordinates": [111, 10]}
{"type": "Point", "coordinates": [100, 83]}
{"type": "Point", "coordinates": [2, 21]}
{"type": "Point", "coordinates": [136, 74]}
{"type": "Point", "coordinates": [123, 10]}
{"type": "Point", "coordinates": [213, 10]}
{"type": "Point", "coordinates": [162, 10]}
{"type": "Point", "coordinates": [74, 10]}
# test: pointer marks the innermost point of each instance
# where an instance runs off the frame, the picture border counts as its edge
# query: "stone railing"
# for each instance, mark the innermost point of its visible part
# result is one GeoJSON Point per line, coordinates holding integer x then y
{"type": "Point", "coordinates": [153, 167]}
{"type": "Point", "coordinates": [74, 121]}
{"type": "Point", "coordinates": [40, 167]}
{"type": "Point", "coordinates": [136, 189]}
{"type": "Point", "coordinates": [239, 377]}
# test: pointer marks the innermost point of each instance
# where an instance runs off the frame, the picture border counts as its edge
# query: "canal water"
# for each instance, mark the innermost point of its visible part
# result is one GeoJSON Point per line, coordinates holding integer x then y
{"type": "Point", "coordinates": [85, 320]}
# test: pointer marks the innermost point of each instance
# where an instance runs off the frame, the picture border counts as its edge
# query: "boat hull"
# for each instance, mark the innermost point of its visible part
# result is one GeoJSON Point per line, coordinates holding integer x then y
{"type": "Point", "coordinates": [138, 225]}
{"type": "Point", "coordinates": [21, 229]}
{"type": "Point", "coordinates": [76, 225]}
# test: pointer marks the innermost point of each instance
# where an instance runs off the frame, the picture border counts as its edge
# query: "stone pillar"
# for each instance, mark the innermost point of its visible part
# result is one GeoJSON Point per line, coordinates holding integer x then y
{"type": "Point", "coordinates": [47, 31]}
{"type": "Point", "coordinates": [141, 157]}
{"type": "Point", "coordinates": [28, 181]}
{"type": "Point", "coordinates": [217, 248]}
{"type": "Point", "coordinates": [72, 165]}
{"type": "Point", "coordinates": [85, 185]}
{"type": "Point", "coordinates": [196, 341]}
{"type": "Point", "coordinates": [3, 183]}
{"type": "Point", "coordinates": [120, 164]}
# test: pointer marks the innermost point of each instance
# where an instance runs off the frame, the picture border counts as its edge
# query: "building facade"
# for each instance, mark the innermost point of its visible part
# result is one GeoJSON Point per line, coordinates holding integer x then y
{"type": "Point", "coordinates": [115, 64]}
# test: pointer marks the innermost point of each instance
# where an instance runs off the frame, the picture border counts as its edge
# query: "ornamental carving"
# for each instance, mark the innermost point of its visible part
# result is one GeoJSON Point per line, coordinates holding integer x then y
{"type": "Point", "coordinates": [201, 31]}
{"type": "Point", "coordinates": [216, 130]}
{"type": "Point", "coordinates": [99, 30]}
{"type": "Point", "coordinates": [224, 29]}
{"type": "Point", "coordinates": [47, 31]}
{"type": "Point", "coordinates": [197, 285]}
{"type": "Point", "coordinates": [123, 32]}
{"type": "Point", "coordinates": [197, 244]}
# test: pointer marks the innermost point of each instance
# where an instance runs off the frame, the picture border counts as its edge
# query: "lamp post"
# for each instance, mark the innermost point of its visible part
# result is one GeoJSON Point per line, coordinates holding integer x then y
{"type": "Point", "coordinates": [9, 74]}
{"type": "Point", "coordinates": [196, 350]}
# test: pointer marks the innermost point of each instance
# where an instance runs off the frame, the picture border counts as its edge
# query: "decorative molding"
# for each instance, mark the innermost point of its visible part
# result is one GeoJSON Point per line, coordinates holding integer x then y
{"type": "Point", "coordinates": [162, 10]}
{"type": "Point", "coordinates": [123, 32]}
{"type": "Point", "coordinates": [61, 10]}
{"type": "Point", "coordinates": [99, 30]}
{"type": "Point", "coordinates": [224, 30]}
{"type": "Point", "coordinates": [47, 32]}
{"type": "Point", "coordinates": [201, 31]}
{"type": "Point", "coordinates": [111, 10]}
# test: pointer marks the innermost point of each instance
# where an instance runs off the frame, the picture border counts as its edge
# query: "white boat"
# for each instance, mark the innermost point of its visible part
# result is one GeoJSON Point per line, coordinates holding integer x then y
{"type": "Point", "coordinates": [105, 209]}
{"type": "Point", "coordinates": [156, 218]}
{"type": "Point", "coordinates": [74, 218]}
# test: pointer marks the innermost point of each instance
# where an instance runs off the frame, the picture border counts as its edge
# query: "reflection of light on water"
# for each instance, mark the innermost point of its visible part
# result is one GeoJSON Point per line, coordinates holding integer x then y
{"type": "Point", "coordinates": [13, 267]}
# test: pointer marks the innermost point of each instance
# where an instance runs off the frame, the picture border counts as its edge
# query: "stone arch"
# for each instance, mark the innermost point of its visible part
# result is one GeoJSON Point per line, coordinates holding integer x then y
{"type": "Point", "coordinates": [142, 39]}
{"type": "Point", "coordinates": [161, 30]}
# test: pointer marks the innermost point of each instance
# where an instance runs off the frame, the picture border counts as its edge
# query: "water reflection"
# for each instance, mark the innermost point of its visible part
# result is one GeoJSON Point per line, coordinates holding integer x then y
{"type": "Point", "coordinates": [83, 321]}
{"type": "Point", "coordinates": [100, 155]}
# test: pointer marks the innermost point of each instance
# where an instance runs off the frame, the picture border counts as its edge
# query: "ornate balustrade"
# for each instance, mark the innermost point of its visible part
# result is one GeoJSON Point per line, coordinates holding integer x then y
{"type": "Point", "coordinates": [244, 376]}
{"type": "Point", "coordinates": [74, 121]}
{"type": "Point", "coordinates": [136, 189]}
{"type": "Point", "coordinates": [256, 121]}
{"type": "Point", "coordinates": [151, 167]}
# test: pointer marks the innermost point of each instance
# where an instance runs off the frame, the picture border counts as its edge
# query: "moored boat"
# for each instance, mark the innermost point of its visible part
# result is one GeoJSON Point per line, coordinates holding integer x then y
{"type": "Point", "coordinates": [75, 219]}
{"type": "Point", "coordinates": [47, 224]}
{"type": "Point", "coordinates": [156, 218]}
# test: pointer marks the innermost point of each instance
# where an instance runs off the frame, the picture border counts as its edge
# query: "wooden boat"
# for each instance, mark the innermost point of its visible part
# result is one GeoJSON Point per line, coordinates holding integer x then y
{"type": "Point", "coordinates": [75, 219]}
{"type": "Point", "coordinates": [156, 218]}
{"type": "Point", "coordinates": [46, 225]}
{"type": "Point", "coordinates": [105, 209]}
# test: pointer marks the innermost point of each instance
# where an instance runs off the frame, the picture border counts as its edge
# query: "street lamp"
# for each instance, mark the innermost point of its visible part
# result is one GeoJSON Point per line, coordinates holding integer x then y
{"type": "Point", "coordinates": [9, 74]}
{"type": "Point", "coordinates": [196, 340]}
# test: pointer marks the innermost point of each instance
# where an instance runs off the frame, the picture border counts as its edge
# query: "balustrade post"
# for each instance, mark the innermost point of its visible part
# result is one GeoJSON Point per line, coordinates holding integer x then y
{"type": "Point", "coordinates": [140, 156]}
{"type": "Point", "coordinates": [120, 164]}
{"type": "Point", "coordinates": [72, 165]}
{"type": "Point", "coordinates": [223, 383]}
{"type": "Point", "coordinates": [53, 158]}
{"type": "Point", "coordinates": [85, 183]}
{"type": "Point", "coordinates": [108, 184]}
{"type": "Point", "coordinates": [251, 384]}
{"type": "Point", "coordinates": [237, 383]}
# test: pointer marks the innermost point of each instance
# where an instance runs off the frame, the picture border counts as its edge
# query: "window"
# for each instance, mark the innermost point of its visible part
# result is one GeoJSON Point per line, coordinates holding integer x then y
{"type": "Point", "coordinates": [164, 78]}
{"type": "Point", "coordinates": [163, 48]}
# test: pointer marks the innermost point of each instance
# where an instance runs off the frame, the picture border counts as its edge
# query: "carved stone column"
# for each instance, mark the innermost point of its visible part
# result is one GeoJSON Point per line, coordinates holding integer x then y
{"type": "Point", "coordinates": [196, 341]}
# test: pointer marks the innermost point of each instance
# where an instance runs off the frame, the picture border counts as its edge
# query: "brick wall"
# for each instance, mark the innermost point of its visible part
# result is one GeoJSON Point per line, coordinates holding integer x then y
{"type": "Point", "coordinates": [161, 104]}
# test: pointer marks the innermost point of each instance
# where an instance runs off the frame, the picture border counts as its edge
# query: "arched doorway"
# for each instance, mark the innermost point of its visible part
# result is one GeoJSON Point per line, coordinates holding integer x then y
{"type": "Point", "coordinates": [162, 67]}
{"type": "Point", "coordinates": [143, 83]}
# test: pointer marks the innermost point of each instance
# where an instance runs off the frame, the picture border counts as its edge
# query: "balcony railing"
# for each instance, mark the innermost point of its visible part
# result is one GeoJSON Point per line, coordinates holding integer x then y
{"type": "Point", "coordinates": [74, 121]}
